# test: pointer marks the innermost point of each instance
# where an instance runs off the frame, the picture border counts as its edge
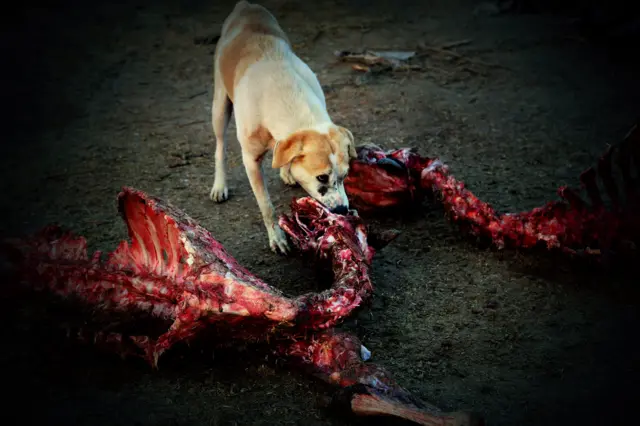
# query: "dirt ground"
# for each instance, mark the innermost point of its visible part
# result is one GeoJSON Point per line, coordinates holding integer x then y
{"type": "Point", "coordinates": [103, 95]}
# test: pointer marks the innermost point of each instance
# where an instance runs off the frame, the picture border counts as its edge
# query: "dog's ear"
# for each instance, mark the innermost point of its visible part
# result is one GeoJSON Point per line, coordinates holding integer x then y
{"type": "Point", "coordinates": [347, 137]}
{"type": "Point", "coordinates": [352, 144]}
{"type": "Point", "coordinates": [286, 150]}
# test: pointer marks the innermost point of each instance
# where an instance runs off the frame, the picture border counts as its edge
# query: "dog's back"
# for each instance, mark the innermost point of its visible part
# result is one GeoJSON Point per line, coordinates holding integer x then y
{"type": "Point", "coordinates": [249, 34]}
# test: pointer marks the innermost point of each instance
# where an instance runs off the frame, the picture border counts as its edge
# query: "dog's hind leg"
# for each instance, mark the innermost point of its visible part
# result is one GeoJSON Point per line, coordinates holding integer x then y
{"type": "Point", "coordinates": [220, 115]}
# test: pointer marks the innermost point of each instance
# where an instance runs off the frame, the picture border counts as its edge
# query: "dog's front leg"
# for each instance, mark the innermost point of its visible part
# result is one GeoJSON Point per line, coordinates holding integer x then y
{"type": "Point", "coordinates": [277, 238]}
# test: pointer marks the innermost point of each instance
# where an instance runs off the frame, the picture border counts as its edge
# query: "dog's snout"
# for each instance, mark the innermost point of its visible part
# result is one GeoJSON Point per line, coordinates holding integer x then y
{"type": "Point", "coordinates": [340, 210]}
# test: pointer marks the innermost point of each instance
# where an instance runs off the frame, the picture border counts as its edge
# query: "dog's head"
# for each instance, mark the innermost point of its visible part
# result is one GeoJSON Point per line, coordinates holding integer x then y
{"type": "Point", "coordinates": [319, 162]}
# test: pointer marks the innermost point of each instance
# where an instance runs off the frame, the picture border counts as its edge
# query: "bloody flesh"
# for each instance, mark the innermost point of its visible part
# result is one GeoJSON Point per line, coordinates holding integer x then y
{"type": "Point", "coordinates": [381, 178]}
{"type": "Point", "coordinates": [174, 270]}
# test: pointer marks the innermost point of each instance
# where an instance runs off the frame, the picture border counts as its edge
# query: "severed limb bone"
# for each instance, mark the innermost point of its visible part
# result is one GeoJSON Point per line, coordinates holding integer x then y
{"type": "Point", "coordinates": [367, 389]}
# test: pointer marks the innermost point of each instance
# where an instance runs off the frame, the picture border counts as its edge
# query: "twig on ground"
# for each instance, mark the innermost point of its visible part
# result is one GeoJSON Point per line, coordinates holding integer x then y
{"type": "Point", "coordinates": [195, 95]}
{"type": "Point", "coordinates": [207, 40]}
{"type": "Point", "coordinates": [191, 123]}
{"type": "Point", "coordinates": [458, 43]}
{"type": "Point", "coordinates": [317, 36]}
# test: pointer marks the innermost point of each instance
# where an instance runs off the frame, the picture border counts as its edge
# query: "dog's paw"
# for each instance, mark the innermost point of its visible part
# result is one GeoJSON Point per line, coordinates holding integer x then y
{"type": "Point", "coordinates": [219, 193]}
{"type": "Point", "coordinates": [278, 240]}
{"type": "Point", "coordinates": [287, 178]}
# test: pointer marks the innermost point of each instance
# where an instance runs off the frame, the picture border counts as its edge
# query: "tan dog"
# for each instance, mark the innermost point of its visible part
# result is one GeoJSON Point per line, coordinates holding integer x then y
{"type": "Point", "coordinates": [278, 105]}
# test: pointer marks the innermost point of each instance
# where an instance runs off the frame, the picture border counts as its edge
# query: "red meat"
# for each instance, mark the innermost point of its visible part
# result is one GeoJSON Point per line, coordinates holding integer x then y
{"type": "Point", "coordinates": [396, 177]}
{"type": "Point", "coordinates": [174, 270]}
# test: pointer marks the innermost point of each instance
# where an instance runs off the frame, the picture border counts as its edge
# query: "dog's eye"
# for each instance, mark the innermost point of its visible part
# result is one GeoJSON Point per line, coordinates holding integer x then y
{"type": "Point", "coordinates": [323, 178]}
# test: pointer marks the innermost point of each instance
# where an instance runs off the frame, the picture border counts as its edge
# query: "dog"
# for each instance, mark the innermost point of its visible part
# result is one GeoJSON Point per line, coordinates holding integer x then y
{"type": "Point", "coordinates": [278, 105]}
